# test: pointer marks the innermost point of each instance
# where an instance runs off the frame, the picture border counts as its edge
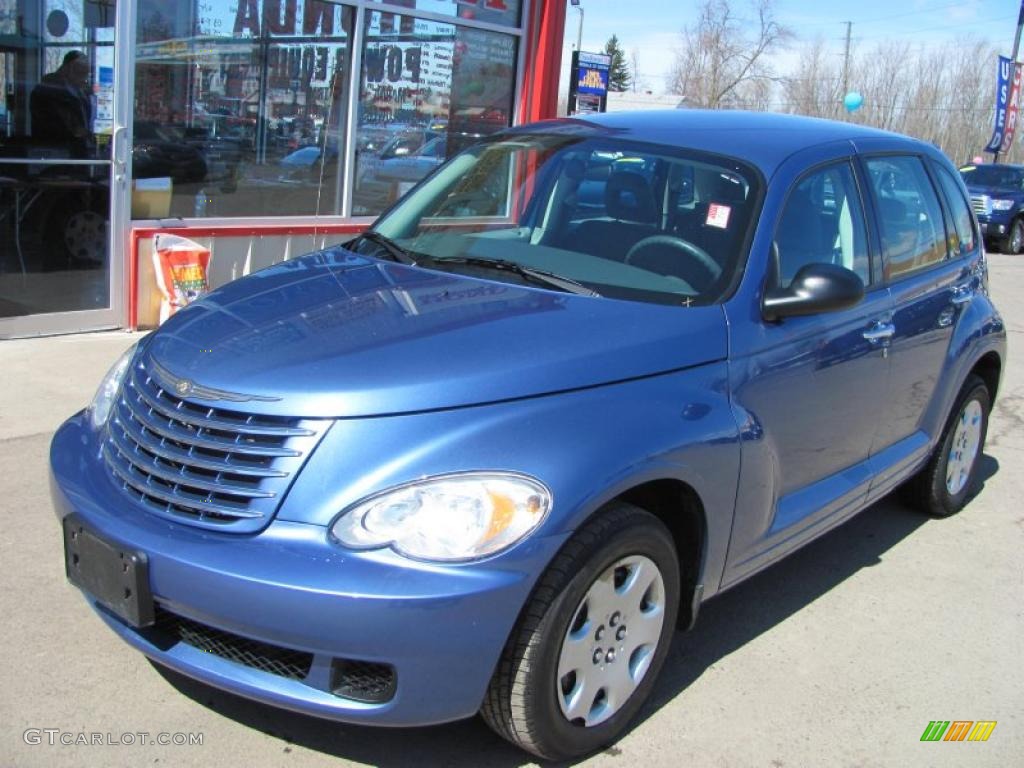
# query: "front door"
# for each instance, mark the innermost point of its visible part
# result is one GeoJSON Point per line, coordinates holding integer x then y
{"type": "Point", "coordinates": [810, 387]}
{"type": "Point", "coordinates": [63, 191]}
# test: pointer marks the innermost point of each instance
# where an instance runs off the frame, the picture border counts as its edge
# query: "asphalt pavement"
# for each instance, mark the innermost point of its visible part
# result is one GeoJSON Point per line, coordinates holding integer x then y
{"type": "Point", "coordinates": [839, 656]}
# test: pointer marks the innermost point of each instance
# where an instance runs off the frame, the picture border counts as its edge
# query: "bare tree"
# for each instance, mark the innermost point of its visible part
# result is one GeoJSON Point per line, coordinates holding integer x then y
{"type": "Point", "coordinates": [814, 86]}
{"type": "Point", "coordinates": [943, 95]}
{"type": "Point", "coordinates": [634, 64]}
{"type": "Point", "coordinates": [719, 63]}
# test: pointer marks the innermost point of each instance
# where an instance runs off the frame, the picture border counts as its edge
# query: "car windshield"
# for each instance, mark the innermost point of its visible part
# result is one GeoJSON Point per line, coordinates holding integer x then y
{"type": "Point", "coordinates": [1000, 177]}
{"type": "Point", "coordinates": [611, 217]}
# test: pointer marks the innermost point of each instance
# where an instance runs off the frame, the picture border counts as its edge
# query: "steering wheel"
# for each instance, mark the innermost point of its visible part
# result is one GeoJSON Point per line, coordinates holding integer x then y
{"type": "Point", "coordinates": [661, 254]}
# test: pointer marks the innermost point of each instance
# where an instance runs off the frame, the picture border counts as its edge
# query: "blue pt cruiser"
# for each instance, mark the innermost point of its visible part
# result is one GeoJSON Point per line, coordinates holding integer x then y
{"type": "Point", "coordinates": [489, 455]}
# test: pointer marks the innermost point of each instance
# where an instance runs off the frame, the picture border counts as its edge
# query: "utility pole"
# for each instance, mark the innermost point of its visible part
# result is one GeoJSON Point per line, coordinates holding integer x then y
{"type": "Point", "coordinates": [579, 31]}
{"type": "Point", "coordinates": [1013, 58]}
{"type": "Point", "coordinates": [846, 61]}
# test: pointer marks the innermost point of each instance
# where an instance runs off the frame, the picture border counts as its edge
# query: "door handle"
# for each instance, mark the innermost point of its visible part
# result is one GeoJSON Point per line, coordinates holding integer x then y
{"type": "Point", "coordinates": [962, 295]}
{"type": "Point", "coordinates": [880, 331]}
{"type": "Point", "coordinates": [117, 153]}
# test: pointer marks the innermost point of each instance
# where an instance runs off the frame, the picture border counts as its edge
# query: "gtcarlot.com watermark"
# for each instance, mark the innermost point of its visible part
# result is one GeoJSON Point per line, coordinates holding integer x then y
{"type": "Point", "coordinates": [57, 737]}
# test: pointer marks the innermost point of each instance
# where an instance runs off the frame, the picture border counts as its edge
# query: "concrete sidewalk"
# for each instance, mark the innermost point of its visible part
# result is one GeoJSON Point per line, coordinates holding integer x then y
{"type": "Point", "coordinates": [839, 656]}
{"type": "Point", "coordinates": [46, 380]}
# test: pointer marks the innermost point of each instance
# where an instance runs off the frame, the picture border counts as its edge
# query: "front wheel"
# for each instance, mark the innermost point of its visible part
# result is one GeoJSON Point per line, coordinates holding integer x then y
{"type": "Point", "coordinates": [945, 484]}
{"type": "Point", "coordinates": [1014, 242]}
{"type": "Point", "coordinates": [589, 644]}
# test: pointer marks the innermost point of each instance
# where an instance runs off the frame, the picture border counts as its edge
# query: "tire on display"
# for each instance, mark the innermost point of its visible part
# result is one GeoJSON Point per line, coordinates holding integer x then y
{"type": "Point", "coordinates": [591, 640]}
{"type": "Point", "coordinates": [950, 477]}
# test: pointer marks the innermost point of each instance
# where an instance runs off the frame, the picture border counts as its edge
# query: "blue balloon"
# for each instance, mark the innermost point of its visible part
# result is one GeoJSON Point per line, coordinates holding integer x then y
{"type": "Point", "coordinates": [853, 101]}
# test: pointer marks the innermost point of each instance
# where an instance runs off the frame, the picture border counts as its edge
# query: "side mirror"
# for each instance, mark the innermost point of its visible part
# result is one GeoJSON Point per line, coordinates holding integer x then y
{"type": "Point", "coordinates": [816, 288]}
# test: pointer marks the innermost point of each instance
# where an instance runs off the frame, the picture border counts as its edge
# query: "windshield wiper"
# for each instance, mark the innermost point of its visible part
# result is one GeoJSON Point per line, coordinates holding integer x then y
{"type": "Point", "coordinates": [389, 246]}
{"type": "Point", "coordinates": [540, 276]}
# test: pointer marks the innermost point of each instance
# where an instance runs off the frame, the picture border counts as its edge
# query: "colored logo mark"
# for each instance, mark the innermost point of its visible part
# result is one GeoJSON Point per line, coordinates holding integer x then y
{"type": "Point", "coordinates": [958, 730]}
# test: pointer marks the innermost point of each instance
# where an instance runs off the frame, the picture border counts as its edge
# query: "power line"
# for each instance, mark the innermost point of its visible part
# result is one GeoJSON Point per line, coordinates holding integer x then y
{"type": "Point", "coordinates": [979, 22]}
{"type": "Point", "coordinates": [901, 15]}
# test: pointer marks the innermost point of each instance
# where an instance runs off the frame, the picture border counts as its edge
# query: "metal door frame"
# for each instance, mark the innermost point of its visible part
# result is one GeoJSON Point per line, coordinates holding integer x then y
{"type": "Point", "coordinates": [114, 315]}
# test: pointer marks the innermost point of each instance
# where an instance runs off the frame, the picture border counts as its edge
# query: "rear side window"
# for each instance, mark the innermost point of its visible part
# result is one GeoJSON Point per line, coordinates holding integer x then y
{"type": "Point", "coordinates": [823, 222]}
{"type": "Point", "coordinates": [910, 218]}
{"type": "Point", "coordinates": [961, 240]}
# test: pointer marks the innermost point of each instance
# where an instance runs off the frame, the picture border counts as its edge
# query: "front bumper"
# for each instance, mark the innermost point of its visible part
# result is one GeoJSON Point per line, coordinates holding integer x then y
{"type": "Point", "coordinates": [992, 229]}
{"type": "Point", "coordinates": [441, 628]}
{"type": "Point", "coordinates": [994, 226]}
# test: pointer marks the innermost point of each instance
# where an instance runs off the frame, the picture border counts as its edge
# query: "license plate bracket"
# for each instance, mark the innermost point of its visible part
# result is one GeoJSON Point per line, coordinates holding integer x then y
{"type": "Point", "coordinates": [116, 577]}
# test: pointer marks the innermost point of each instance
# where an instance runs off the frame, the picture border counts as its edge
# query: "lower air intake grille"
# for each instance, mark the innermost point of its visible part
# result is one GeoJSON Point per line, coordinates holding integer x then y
{"type": "Point", "coordinates": [284, 662]}
{"type": "Point", "coordinates": [363, 680]}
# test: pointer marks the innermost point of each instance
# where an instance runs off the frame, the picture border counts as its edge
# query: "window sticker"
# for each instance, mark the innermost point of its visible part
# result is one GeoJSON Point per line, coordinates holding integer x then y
{"type": "Point", "coordinates": [718, 216]}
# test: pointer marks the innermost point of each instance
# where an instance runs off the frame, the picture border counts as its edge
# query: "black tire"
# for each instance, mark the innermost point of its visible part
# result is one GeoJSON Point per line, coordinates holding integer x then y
{"type": "Point", "coordinates": [1014, 241]}
{"type": "Point", "coordinates": [75, 232]}
{"type": "Point", "coordinates": [928, 490]}
{"type": "Point", "coordinates": [522, 702]}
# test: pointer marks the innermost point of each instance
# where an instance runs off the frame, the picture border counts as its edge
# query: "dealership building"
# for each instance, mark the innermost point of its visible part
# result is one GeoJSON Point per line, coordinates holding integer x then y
{"type": "Point", "coordinates": [260, 129]}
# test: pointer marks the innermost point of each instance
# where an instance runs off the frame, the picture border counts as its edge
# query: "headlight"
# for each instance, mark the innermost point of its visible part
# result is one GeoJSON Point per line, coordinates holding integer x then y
{"type": "Point", "coordinates": [448, 518]}
{"type": "Point", "coordinates": [1002, 205]}
{"type": "Point", "coordinates": [99, 409]}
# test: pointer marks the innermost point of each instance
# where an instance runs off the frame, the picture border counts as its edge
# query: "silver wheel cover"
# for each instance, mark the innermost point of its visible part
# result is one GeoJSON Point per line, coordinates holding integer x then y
{"type": "Point", "coordinates": [964, 450]}
{"type": "Point", "coordinates": [611, 640]}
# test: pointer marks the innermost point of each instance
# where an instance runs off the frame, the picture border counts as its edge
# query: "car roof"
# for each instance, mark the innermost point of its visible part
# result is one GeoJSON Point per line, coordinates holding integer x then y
{"type": "Point", "coordinates": [763, 139]}
{"type": "Point", "coordinates": [970, 166]}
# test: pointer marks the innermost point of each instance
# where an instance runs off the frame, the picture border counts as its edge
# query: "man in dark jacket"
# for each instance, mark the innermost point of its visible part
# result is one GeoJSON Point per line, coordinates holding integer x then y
{"type": "Point", "coordinates": [62, 109]}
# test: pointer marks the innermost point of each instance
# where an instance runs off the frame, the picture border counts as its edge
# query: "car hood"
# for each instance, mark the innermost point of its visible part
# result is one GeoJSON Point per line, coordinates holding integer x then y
{"type": "Point", "coordinates": [335, 334]}
{"type": "Point", "coordinates": [1003, 192]}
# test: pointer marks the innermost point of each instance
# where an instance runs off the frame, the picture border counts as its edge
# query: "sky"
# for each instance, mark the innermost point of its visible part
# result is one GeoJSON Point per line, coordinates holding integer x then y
{"type": "Point", "coordinates": [652, 27]}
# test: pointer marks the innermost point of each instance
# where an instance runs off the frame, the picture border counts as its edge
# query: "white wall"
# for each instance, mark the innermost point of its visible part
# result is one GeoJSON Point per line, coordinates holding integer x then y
{"type": "Point", "coordinates": [230, 258]}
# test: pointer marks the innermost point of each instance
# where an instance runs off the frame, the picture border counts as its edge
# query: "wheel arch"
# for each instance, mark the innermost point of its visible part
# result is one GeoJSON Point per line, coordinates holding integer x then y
{"type": "Point", "coordinates": [989, 369]}
{"type": "Point", "coordinates": [679, 507]}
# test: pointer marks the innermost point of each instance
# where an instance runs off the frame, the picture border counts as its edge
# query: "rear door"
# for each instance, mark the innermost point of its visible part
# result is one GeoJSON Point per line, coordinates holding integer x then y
{"type": "Point", "coordinates": [927, 277]}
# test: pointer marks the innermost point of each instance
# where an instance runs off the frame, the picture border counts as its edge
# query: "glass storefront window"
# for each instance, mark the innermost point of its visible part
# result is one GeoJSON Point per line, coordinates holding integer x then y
{"type": "Point", "coordinates": [56, 99]}
{"type": "Point", "coordinates": [240, 106]}
{"type": "Point", "coordinates": [504, 12]}
{"type": "Point", "coordinates": [427, 90]}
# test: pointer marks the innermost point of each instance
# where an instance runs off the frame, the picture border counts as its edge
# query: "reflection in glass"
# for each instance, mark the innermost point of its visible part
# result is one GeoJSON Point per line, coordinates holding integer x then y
{"type": "Point", "coordinates": [240, 106]}
{"type": "Point", "coordinates": [505, 12]}
{"type": "Point", "coordinates": [428, 90]}
{"type": "Point", "coordinates": [581, 213]}
{"type": "Point", "coordinates": [57, 76]}
{"type": "Point", "coordinates": [912, 228]}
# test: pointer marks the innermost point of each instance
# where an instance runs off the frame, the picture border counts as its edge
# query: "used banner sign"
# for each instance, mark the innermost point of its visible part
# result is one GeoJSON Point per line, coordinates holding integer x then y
{"type": "Point", "coordinates": [1003, 88]}
{"type": "Point", "coordinates": [1011, 110]}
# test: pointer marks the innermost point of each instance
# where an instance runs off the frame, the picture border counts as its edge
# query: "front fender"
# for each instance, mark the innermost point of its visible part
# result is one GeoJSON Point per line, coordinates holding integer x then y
{"type": "Point", "coordinates": [588, 446]}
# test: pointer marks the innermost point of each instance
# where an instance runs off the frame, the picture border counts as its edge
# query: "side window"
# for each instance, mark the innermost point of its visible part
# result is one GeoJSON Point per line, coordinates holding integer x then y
{"type": "Point", "coordinates": [823, 222]}
{"type": "Point", "coordinates": [910, 218]}
{"type": "Point", "coordinates": [962, 239]}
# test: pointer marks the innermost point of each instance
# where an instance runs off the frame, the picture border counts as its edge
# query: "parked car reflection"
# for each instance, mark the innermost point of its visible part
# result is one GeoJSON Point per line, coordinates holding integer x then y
{"type": "Point", "coordinates": [411, 167]}
{"type": "Point", "coordinates": [162, 151]}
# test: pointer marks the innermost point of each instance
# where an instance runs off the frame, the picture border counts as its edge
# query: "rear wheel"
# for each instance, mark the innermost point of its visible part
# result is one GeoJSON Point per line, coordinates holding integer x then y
{"type": "Point", "coordinates": [589, 644]}
{"type": "Point", "coordinates": [949, 479]}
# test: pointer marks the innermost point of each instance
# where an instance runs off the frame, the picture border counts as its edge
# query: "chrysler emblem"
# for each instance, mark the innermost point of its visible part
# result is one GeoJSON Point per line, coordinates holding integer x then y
{"type": "Point", "coordinates": [187, 388]}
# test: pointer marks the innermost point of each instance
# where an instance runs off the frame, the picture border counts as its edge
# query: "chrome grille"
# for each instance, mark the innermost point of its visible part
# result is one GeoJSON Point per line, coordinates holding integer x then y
{"type": "Point", "coordinates": [981, 204]}
{"type": "Point", "coordinates": [212, 467]}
